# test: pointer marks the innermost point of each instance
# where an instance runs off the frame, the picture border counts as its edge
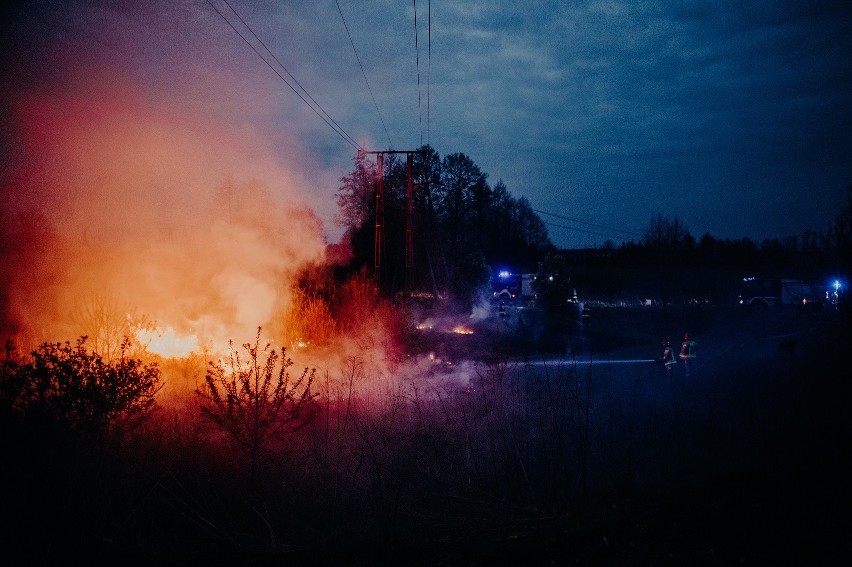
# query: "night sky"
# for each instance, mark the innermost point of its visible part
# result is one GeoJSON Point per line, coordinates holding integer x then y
{"type": "Point", "coordinates": [734, 117]}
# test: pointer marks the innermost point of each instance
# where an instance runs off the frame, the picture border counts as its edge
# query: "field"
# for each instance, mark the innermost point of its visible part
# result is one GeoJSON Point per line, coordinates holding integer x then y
{"type": "Point", "coordinates": [740, 462]}
{"type": "Point", "coordinates": [527, 440]}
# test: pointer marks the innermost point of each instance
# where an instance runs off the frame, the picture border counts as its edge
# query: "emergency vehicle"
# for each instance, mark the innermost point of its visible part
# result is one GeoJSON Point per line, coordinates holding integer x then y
{"type": "Point", "coordinates": [764, 293]}
{"type": "Point", "coordinates": [507, 286]}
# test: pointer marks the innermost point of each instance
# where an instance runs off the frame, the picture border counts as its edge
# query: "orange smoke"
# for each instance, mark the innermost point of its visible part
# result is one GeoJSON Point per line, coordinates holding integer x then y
{"type": "Point", "coordinates": [168, 343]}
{"type": "Point", "coordinates": [155, 186]}
{"type": "Point", "coordinates": [121, 208]}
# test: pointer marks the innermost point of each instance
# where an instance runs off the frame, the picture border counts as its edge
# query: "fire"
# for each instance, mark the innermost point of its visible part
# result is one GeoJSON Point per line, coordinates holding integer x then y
{"type": "Point", "coordinates": [445, 326]}
{"type": "Point", "coordinates": [168, 343]}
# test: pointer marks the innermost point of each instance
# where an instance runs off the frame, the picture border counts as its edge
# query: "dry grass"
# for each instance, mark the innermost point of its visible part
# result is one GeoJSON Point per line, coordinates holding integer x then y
{"type": "Point", "coordinates": [548, 464]}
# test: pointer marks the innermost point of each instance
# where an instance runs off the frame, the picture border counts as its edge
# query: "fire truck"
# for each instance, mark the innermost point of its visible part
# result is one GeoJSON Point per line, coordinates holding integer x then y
{"type": "Point", "coordinates": [765, 293]}
{"type": "Point", "coordinates": [508, 287]}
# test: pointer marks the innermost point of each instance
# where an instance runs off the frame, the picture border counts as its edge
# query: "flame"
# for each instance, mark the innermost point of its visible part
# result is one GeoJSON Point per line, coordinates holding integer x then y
{"type": "Point", "coordinates": [462, 330]}
{"type": "Point", "coordinates": [168, 343]}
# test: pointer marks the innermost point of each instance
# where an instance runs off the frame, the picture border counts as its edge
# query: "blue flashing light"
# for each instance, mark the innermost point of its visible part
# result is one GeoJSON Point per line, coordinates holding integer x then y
{"type": "Point", "coordinates": [504, 274]}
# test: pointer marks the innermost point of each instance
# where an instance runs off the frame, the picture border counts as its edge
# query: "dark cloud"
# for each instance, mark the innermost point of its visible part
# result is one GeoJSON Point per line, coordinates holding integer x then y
{"type": "Point", "coordinates": [734, 117]}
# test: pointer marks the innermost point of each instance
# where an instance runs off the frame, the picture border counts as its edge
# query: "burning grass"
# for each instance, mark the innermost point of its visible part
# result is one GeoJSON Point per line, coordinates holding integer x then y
{"type": "Point", "coordinates": [427, 430]}
{"type": "Point", "coordinates": [465, 464]}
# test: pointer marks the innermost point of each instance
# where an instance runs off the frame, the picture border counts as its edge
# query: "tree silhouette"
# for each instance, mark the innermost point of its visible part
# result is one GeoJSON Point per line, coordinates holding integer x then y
{"type": "Point", "coordinates": [75, 388]}
{"type": "Point", "coordinates": [250, 402]}
{"type": "Point", "coordinates": [662, 233]}
{"type": "Point", "coordinates": [458, 183]}
{"type": "Point", "coordinates": [457, 217]}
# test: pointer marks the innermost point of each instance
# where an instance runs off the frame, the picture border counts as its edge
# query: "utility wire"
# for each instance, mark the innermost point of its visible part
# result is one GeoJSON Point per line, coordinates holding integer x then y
{"type": "Point", "coordinates": [332, 124]}
{"type": "Point", "coordinates": [586, 223]}
{"type": "Point", "coordinates": [364, 73]}
{"type": "Point", "coordinates": [429, 75]}
{"type": "Point", "coordinates": [417, 60]}
{"type": "Point", "coordinates": [578, 229]}
{"type": "Point", "coordinates": [338, 127]}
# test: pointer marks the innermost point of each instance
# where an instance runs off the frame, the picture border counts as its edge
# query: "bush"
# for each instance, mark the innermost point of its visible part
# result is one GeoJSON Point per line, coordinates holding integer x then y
{"type": "Point", "coordinates": [250, 403]}
{"type": "Point", "coordinates": [74, 388]}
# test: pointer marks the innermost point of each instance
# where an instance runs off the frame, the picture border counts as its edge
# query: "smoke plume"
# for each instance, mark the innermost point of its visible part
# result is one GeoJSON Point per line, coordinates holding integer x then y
{"type": "Point", "coordinates": [124, 205]}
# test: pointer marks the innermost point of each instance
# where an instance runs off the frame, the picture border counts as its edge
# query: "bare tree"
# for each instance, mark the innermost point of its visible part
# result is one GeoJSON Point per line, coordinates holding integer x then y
{"type": "Point", "coordinates": [106, 323]}
{"type": "Point", "coordinates": [664, 233]}
{"type": "Point", "coordinates": [356, 195]}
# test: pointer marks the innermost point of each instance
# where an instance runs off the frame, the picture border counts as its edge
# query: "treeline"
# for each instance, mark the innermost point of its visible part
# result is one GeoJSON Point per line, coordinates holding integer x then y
{"type": "Point", "coordinates": [672, 265]}
{"type": "Point", "coordinates": [669, 241]}
{"type": "Point", "coordinates": [459, 228]}
{"type": "Point", "coordinates": [461, 225]}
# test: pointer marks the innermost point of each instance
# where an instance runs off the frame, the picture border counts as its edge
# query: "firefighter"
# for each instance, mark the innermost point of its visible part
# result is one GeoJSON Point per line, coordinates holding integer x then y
{"type": "Point", "coordinates": [687, 352]}
{"type": "Point", "coordinates": [667, 358]}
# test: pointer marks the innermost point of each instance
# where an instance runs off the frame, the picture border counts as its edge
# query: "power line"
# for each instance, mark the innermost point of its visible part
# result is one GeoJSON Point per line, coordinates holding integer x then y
{"type": "Point", "coordinates": [332, 124]}
{"type": "Point", "coordinates": [417, 60]}
{"type": "Point", "coordinates": [587, 223]}
{"type": "Point", "coordinates": [336, 125]}
{"type": "Point", "coordinates": [429, 74]}
{"type": "Point", "coordinates": [575, 229]}
{"type": "Point", "coordinates": [364, 73]}
{"type": "Point", "coordinates": [579, 229]}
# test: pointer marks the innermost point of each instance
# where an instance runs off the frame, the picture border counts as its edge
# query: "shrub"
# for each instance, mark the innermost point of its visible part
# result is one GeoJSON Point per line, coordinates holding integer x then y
{"type": "Point", "coordinates": [75, 388]}
{"type": "Point", "coordinates": [309, 320]}
{"type": "Point", "coordinates": [250, 403]}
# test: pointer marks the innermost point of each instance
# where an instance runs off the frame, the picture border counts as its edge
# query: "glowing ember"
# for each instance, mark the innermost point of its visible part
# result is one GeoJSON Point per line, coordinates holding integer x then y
{"type": "Point", "coordinates": [462, 330]}
{"type": "Point", "coordinates": [168, 343]}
